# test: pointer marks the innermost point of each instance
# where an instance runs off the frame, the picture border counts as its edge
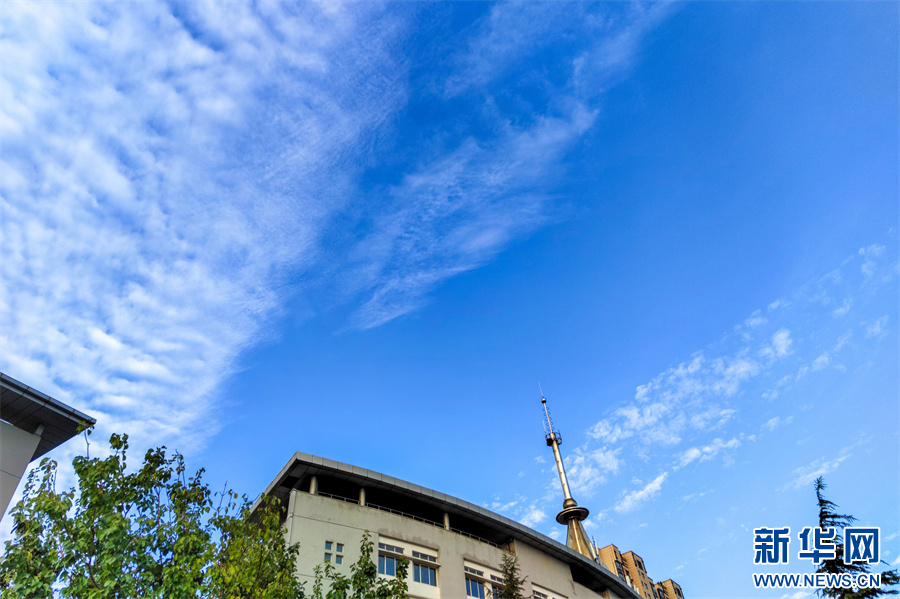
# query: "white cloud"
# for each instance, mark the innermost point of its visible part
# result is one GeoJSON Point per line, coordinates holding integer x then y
{"type": "Point", "coordinates": [497, 506]}
{"type": "Point", "coordinates": [586, 471]}
{"type": "Point", "coordinates": [804, 476]}
{"type": "Point", "coordinates": [533, 517]}
{"type": "Point", "coordinates": [600, 66]}
{"type": "Point", "coordinates": [634, 499]}
{"type": "Point", "coordinates": [754, 320]}
{"type": "Point", "coordinates": [877, 328]}
{"type": "Point", "coordinates": [165, 204]}
{"type": "Point", "coordinates": [508, 33]}
{"type": "Point", "coordinates": [458, 211]}
{"type": "Point", "coordinates": [870, 255]}
{"type": "Point", "coordinates": [707, 452]}
{"type": "Point", "coordinates": [780, 346]}
{"type": "Point", "coordinates": [685, 397]}
{"type": "Point", "coordinates": [821, 362]}
{"type": "Point", "coordinates": [156, 197]}
{"type": "Point", "coordinates": [838, 312]}
{"type": "Point", "coordinates": [773, 423]}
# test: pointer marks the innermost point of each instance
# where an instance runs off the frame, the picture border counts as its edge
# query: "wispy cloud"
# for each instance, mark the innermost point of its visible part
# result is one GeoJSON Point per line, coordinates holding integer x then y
{"type": "Point", "coordinates": [158, 198]}
{"type": "Point", "coordinates": [533, 517]}
{"type": "Point", "coordinates": [706, 452]}
{"type": "Point", "coordinates": [630, 501]}
{"type": "Point", "coordinates": [707, 408]}
{"type": "Point", "coordinates": [456, 212]}
{"type": "Point", "coordinates": [805, 475]}
{"type": "Point", "coordinates": [154, 196]}
{"type": "Point", "coordinates": [877, 328]}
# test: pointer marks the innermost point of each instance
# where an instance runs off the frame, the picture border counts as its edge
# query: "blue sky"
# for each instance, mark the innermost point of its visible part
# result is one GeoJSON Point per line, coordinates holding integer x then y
{"type": "Point", "coordinates": [367, 231]}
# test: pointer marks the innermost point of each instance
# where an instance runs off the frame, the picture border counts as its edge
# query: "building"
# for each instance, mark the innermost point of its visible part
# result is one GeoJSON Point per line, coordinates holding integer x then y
{"type": "Point", "coordinates": [630, 567]}
{"type": "Point", "coordinates": [31, 424]}
{"type": "Point", "coordinates": [612, 559]}
{"type": "Point", "coordinates": [669, 589]}
{"type": "Point", "coordinates": [634, 567]}
{"type": "Point", "coordinates": [455, 548]}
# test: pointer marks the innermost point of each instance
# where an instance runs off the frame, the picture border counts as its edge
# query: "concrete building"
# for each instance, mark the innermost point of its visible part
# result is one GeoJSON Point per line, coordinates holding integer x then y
{"type": "Point", "coordinates": [455, 548]}
{"type": "Point", "coordinates": [31, 424]}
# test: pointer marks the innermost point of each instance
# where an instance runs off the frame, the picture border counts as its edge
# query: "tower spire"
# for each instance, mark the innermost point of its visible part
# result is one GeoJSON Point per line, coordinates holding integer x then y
{"type": "Point", "coordinates": [572, 514]}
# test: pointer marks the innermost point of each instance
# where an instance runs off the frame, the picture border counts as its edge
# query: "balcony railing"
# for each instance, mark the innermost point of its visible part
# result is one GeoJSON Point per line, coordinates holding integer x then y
{"type": "Point", "coordinates": [411, 516]}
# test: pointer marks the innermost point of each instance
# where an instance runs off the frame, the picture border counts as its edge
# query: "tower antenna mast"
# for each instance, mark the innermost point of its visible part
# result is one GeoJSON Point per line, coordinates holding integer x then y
{"type": "Point", "coordinates": [572, 514]}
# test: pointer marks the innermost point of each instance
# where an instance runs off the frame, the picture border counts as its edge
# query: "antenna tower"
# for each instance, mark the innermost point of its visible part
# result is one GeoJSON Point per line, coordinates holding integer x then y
{"type": "Point", "coordinates": [572, 514]}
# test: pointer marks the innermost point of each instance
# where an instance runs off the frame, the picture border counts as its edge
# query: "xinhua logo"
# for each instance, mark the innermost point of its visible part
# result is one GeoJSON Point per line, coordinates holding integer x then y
{"type": "Point", "coordinates": [861, 544]}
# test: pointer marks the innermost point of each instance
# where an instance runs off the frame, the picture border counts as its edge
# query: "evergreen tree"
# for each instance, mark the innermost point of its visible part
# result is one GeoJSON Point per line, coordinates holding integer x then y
{"type": "Point", "coordinates": [829, 518]}
{"type": "Point", "coordinates": [512, 581]}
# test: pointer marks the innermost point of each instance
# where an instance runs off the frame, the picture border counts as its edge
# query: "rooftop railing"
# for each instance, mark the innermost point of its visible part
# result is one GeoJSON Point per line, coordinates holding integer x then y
{"type": "Point", "coordinates": [411, 516]}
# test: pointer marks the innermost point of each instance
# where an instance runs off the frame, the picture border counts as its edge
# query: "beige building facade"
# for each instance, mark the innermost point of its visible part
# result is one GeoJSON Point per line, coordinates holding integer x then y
{"type": "Point", "coordinates": [454, 548]}
{"type": "Point", "coordinates": [669, 589]}
{"type": "Point", "coordinates": [630, 567]}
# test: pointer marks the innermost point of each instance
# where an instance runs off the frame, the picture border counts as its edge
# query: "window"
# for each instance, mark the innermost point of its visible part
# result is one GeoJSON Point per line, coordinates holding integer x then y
{"type": "Point", "coordinates": [387, 565]}
{"type": "Point", "coordinates": [390, 548]}
{"type": "Point", "coordinates": [425, 574]}
{"type": "Point", "coordinates": [539, 595]}
{"type": "Point", "coordinates": [474, 571]}
{"type": "Point", "coordinates": [474, 588]}
{"type": "Point", "coordinates": [619, 569]}
{"type": "Point", "coordinates": [418, 555]}
{"type": "Point", "coordinates": [338, 559]}
{"type": "Point", "coordinates": [496, 583]}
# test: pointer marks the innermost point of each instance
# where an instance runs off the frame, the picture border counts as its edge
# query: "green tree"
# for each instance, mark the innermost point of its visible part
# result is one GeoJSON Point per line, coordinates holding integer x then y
{"type": "Point", "coordinates": [829, 518]}
{"type": "Point", "coordinates": [512, 579]}
{"type": "Point", "coordinates": [155, 532]}
{"type": "Point", "coordinates": [363, 582]}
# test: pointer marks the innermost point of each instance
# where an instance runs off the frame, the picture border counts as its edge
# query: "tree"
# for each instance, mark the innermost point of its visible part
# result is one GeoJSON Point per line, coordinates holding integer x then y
{"type": "Point", "coordinates": [155, 532]}
{"type": "Point", "coordinates": [512, 581]}
{"type": "Point", "coordinates": [363, 582]}
{"type": "Point", "coordinates": [829, 518]}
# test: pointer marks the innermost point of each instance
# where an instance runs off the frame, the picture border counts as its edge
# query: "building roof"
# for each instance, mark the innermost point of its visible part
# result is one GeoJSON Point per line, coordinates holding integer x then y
{"type": "Point", "coordinates": [342, 481]}
{"type": "Point", "coordinates": [28, 409]}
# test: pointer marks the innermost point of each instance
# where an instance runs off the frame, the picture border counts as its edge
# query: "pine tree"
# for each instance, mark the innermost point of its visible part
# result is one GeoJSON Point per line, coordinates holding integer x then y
{"type": "Point", "coordinates": [829, 518]}
{"type": "Point", "coordinates": [512, 581]}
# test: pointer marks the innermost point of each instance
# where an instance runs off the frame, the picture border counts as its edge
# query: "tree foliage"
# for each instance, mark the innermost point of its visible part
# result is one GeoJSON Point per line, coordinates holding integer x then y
{"type": "Point", "coordinates": [512, 579]}
{"type": "Point", "coordinates": [155, 532]}
{"type": "Point", "coordinates": [830, 518]}
{"type": "Point", "coordinates": [363, 582]}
